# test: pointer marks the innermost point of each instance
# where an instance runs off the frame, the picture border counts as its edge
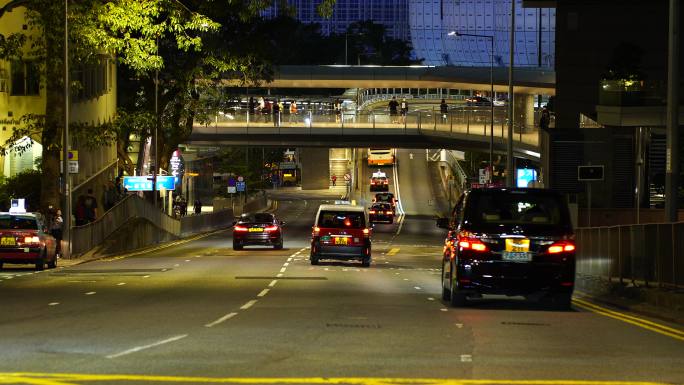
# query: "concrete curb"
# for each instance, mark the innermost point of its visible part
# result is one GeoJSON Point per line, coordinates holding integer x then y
{"type": "Point", "coordinates": [658, 303]}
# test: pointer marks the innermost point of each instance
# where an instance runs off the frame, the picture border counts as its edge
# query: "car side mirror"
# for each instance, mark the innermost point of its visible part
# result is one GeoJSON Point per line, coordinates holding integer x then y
{"type": "Point", "coordinates": [443, 223]}
{"type": "Point", "coordinates": [282, 223]}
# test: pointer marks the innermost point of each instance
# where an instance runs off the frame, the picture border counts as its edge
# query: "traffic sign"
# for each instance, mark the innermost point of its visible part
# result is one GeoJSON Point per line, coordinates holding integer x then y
{"type": "Point", "coordinates": [231, 189]}
{"type": "Point", "coordinates": [241, 186]}
{"type": "Point", "coordinates": [72, 155]}
{"type": "Point", "coordinates": [144, 183]}
{"type": "Point", "coordinates": [231, 181]}
{"type": "Point", "coordinates": [73, 167]}
{"type": "Point", "coordinates": [241, 179]}
{"type": "Point", "coordinates": [347, 177]}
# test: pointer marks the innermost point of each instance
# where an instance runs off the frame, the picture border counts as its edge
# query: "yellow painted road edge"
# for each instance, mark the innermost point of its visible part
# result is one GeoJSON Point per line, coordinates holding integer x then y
{"type": "Point", "coordinates": [164, 246]}
{"type": "Point", "coordinates": [636, 321]}
{"type": "Point", "coordinates": [60, 378]}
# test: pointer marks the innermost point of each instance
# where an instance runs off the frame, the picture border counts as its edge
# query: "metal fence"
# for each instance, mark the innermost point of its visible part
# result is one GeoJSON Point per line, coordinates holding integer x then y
{"type": "Point", "coordinates": [85, 238]}
{"type": "Point", "coordinates": [648, 254]}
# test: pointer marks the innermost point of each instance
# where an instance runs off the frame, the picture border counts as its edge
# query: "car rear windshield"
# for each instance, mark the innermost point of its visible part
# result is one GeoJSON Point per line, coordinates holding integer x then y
{"type": "Point", "coordinates": [18, 222]}
{"type": "Point", "coordinates": [517, 207]}
{"type": "Point", "coordinates": [342, 219]}
{"type": "Point", "coordinates": [384, 197]}
{"type": "Point", "coordinates": [257, 218]}
{"type": "Point", "coordinates": [383, 206]}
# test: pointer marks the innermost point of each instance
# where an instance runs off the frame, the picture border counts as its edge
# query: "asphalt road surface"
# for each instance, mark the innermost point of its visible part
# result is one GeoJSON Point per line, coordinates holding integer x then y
{"type": "Point", "coordinates": [199, 312]}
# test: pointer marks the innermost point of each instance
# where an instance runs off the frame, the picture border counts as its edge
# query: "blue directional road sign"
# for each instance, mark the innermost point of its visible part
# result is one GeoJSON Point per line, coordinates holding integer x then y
{"type": "Point", "coordinates": [144, 183]}
{"type": "Point", "coordinates": [166, 182]}
{"type": "Point", "coordinates": [241, 186]}
{"type": "Point", "coordinates": [138, 183]}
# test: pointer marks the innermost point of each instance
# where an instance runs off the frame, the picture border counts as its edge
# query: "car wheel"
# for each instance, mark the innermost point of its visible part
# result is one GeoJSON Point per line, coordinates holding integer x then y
{"type": "Point", "coordinates": [40, 264]}
{"type": "Point", "coordinates": [446, 290]}
{"type": "Point", "coordinates": [53, 263]}
{"type": "Point", "coordinates": [237, 246]}
{"type": "Point", "coordinates": [457, 298]}
{"type": "Point", "coordinates": [314, 260]}
{"type": "Point", "coordinates": [366, 262]}
{"type": "Point", "coordinates": [279, 245]}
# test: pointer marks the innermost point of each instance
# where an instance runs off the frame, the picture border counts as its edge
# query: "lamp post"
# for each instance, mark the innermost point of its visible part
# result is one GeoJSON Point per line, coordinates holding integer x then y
{"type": "Point", "coordinates": [491, 102]}
{"type": "Point", "coordinates": [65, 139]}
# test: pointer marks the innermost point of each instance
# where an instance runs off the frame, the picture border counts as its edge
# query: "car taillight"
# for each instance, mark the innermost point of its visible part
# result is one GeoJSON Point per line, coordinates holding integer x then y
{"type": "Point", "coordinates": [271, 228]}
{"type": "Point", "coordinates": [366, 232]}
{"type": "Point", "coordinates": [560, 247]}
{"type": "Point", "coordinates": [239, 228]}
{"type": "Point", "coordinates": [388, 212]}
{"type": "Point", "coordinates": [31, 240]}
{"type": "Point", "coordinates": [372, 212]}
{"type": "Point", "coordinates": [386, 182]}
{"type": "Point", "coordinates": [316, 230]}
{"type": "Point", "coordinates": [467, 241]}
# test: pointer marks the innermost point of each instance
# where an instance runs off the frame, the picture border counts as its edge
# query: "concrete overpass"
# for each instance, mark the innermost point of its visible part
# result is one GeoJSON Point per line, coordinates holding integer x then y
{"type": "Point", "coordinates": [527, 81]}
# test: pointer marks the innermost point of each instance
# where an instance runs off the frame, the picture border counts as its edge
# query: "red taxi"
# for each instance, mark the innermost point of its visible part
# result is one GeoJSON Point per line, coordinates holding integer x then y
{"type": "Point", "coordinates": [341, 232]}
{"type": "Point", "coordinates": [379, 182]}
{"type": "Point", "coordinates": [24, 240]}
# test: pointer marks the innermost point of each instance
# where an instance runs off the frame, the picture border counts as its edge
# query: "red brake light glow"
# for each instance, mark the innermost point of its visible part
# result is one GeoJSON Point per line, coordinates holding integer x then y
{"type": "Point", "coordinates": [388, 212]}
{"type": "Point", "coordinates": [466, 241]}
{"type": "Point", "coordinates": [560, 247]}
{"type": "Point", "coordinates": [372, 212]}
{"type": "Point", "coordinates": [240, 228]}
{"type": "Point", "coordinates": [316, 230]}
{"type": "Point", "coordinates": [366, 232]}
{"type": "Point", "coordinates": [271, 228]}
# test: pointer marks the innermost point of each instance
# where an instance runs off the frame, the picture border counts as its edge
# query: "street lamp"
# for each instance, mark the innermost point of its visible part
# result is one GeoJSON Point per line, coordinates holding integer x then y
{"type": "Point", "coordinates": [491, 102]}
{"type": "Point", "coordinates": [65, 140]}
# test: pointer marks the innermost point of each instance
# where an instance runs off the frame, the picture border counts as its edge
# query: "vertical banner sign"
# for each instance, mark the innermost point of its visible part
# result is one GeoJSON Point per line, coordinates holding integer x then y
{"type": "Point", "coordinates": [177, 166]}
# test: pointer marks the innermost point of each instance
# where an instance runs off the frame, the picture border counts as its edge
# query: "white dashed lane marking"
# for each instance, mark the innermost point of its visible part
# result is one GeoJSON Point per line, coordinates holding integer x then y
{"type": "Point", "coordinates": [221, 320]}
{"type": "Point", "coordinates": [53, 304]}
{"type": "Point", "coordinates": [120, 283]}
{"type": "Point", "coordinates": [263, 293]}
{"type": "Point", "coordinates": [272, 283]}
{"type": "Point", "coordinates": [90, 293]}
{"type": "Point", "coordinates": [139, 348]}
{"type": "Point", "coordinates": [248, 304]}
{"type": "Point", "coordinates": [466, 358]}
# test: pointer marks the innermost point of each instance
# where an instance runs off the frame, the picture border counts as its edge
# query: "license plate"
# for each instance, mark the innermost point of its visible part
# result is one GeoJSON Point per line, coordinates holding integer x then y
{"type": "Point", "coordinates": [516, 256]}
{"type": "Point", "coordinates": [517, 245]}
{"type": "Point", "coordinates": [256, 230]}
{"type": "Point", "coordinates": [8, 241]}
{"type": "Point", "coordinates": [341, 240]}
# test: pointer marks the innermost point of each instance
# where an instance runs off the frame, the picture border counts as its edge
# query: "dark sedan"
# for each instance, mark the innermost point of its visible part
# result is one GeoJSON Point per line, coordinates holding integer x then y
{"type": "Point", "coordinates": [381, 212]}
{"type": "Point", "coordinates": [510, 242]}
{"type": "Point", "coordinates": [258, 229]}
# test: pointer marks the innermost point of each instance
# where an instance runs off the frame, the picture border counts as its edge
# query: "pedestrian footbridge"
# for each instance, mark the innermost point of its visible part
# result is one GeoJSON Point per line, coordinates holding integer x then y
{"type": "Point", "coordinates": [462, 130]}
{"type": "Point", "coordinates": [534, 81]}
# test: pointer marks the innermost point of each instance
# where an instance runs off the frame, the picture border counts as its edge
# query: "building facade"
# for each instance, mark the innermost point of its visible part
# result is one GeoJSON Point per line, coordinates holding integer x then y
{"type": "Point", "coordinates": [393, 14]}
{"type": "Point", "coordinates": [22, 92]}
{"type": "Point", "coordinates": [432, 20]}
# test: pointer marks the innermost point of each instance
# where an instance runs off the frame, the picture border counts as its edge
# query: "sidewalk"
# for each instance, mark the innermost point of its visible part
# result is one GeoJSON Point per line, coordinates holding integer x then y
{"type": "Point", "coordinates": [666, 304]}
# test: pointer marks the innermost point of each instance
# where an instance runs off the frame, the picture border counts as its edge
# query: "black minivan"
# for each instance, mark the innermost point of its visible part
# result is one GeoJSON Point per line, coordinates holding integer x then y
{"type": "Point", "coordinates": [513, 242]}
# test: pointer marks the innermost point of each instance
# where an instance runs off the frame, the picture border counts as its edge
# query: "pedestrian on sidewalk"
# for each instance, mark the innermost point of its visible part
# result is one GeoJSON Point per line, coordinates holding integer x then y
{"type": "Point", "coordinates": [56, 230]}
{"type": "Point", "coordinates": [393, 106]}
{"type": "Point", "coordinates": [276, 113]}
{"type": "Point", "coordinates": [334, 180]}
{"type": "Point", "coordinates": [444, 110]}
{"type": "Point", "coordinates": [404, 110]}
{"type": "Point", "coordinates": [90, 203]}
{"type": "Point", "coordinates": [198, 206]}
{"type": "Point", "coordinates": [293, 111]}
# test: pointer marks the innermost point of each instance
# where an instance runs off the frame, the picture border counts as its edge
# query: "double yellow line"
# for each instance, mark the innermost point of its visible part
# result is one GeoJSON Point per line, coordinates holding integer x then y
{"type": "Point", "coordinates": [636, 321]}
{"type": "Point", "coordinates": [73, 379]}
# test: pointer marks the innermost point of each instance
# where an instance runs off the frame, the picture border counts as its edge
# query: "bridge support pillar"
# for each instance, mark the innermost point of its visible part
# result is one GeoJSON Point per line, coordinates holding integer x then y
{"type": "Point", "coordinates": [315, 168]}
